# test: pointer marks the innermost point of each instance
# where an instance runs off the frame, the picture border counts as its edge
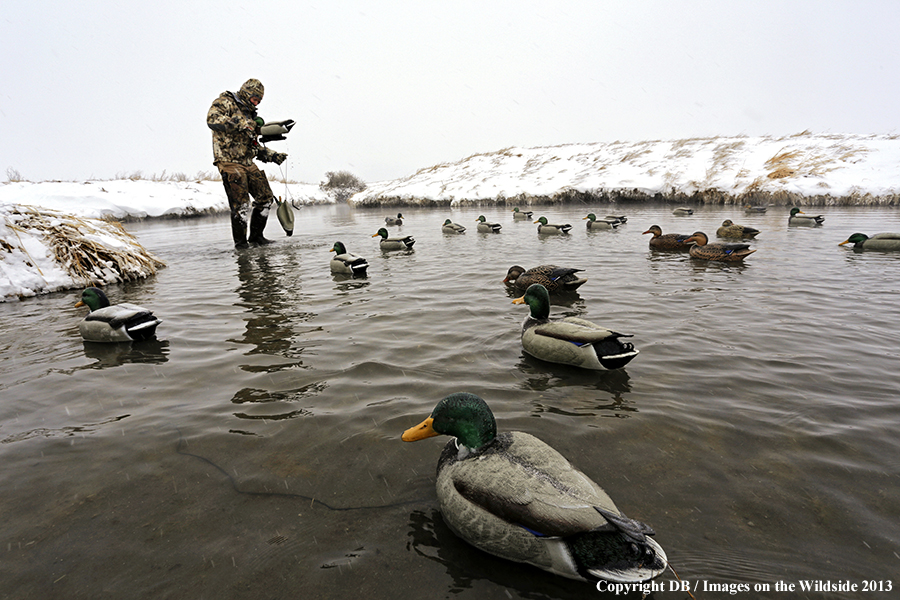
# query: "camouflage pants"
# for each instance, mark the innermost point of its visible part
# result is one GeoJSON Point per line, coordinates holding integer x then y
{"type": "Point", "coordinates": [241, 182]}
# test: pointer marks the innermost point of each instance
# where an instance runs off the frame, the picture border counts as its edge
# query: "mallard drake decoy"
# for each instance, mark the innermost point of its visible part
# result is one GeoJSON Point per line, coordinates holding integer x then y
{"type": "Point", "coordinates": [485, 227]}
{"type": "Point", "coordinates": [594, 223]}
{"type": "Point", "coordinates": [398, 220]}
{"type": "Point", "coordinates": [451, 227]}
{"type": "Point", "coordinates": [622, 219]}
{"type": "Point", "coordinates": [754, 210]}
{"type": "Point", "coordinates": [800, 218]}
{"type": "Point", "coordinates": [730, 229]}
{"type": "Point", "coordinates": [725, 252]}
{"type": "Point", "coordinates": [514, 496]}
{"type": "Point", "coordinates": [117, 323]}
{"type": "Point", "coordinates": [669, 241]}
{"type": "Point", "coordinates": [683, 210]}
{"type": "Point", "coordinates": [879, 241]}
{"type": "Point", "coordinates": [553, 278]}
{"type": "Point", "coordinates": [571, 341]}
{"type": "Point", "coordinates": [346, 263]}
{"type": "Point", "coordinates": [521, 214]}
{"type": "Point", "coordinates": [552, 228]}
{"type": "Point", "coordinates": [404, 243]}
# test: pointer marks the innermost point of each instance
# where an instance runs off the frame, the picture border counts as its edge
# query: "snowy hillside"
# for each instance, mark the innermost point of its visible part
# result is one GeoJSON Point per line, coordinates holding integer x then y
{"type": "Point", "coordinates": [802, 169]}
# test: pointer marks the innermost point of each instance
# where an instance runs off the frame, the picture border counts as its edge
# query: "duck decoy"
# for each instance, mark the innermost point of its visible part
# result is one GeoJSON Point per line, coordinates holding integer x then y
{"type": "Point", "coordinates": [551, 228]}
{"type": "Point", "coordinates": [724, 252]}
{"type": "Point", "coordinates": [879, 241]}
{"type": "Point", "coordinates": [451, 227]}
{"type": "Point", "coordinates": [345, 263]}
{"type": "Point", "coordinates": [682, 211]}
{"type": "Point", "coordinates": [622, 219]}
{"type": "Point", "coordinates": [801, 219]}
{"type": "Point", "coordinates": [553, 278]}
{"type": "Point", "coordinates": [730, 229]}
{"type": "Point", "coordinates": [514, 496]}
{"type": "Point", "coordinates": [398, 220]}
{"type": "Point", "coordinates": [754, 210]}
{"type": "Point", "coordinates": [116, 323]}
{"type": "Point", "coordinates": [570, 341]}
{"type": "Point", "coordinates": [521, 214]}
{"type": "Point", "coordinates": [669, 241]}
{"type": "Point", "coordinates": [386, 243]}
{"type": "Point", "coordinates": [593, 223]}
{"type": "Point", "coordinates": [485, 227]}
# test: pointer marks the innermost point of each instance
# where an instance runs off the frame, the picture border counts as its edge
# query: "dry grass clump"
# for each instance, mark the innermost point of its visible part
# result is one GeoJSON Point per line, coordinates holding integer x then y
{"type": "Point", "coordinates": [92, 251]}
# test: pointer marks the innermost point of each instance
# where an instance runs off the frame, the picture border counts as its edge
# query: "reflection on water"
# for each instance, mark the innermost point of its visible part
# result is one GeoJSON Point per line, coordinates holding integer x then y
{"type": "Point", "coordinates": [254, 451]}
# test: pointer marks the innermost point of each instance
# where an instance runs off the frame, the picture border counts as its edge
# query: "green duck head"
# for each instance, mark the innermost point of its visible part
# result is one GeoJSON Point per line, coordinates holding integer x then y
{"type": "Point", "coordinates": [339, 248]}
{"type": "Point", "coordinates": [516, 209]}
{"type": "Point", "coordinates": [542, 221]}
{"type": "Point", "coordinates": [538, 299]}
{"type": "Point", "coordinates": [481, 219]}
{"type": "Point", "coordinates": [591, 216]}
{"type": "Point", "coordinates": [399, 216]}
{"type": "Point", "coordinates": [93, 298]}
{"type": "Point", "coordinates": [382, 232]}
{"type": "Point", "coordinates": [462, 415]}
{"type": "Point", "coordinates": [448, 222]}
{"type": "Point", "coordinates": [796, 211]}
{"type": "Point", "coordinates": [856, 238]}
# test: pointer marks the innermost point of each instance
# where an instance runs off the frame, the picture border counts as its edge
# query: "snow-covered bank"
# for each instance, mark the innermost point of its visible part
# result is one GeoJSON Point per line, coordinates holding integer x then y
{"type": "Point", "coordinates": [801, 169]}
{"type": "Point", "coordinates": [127, 199]}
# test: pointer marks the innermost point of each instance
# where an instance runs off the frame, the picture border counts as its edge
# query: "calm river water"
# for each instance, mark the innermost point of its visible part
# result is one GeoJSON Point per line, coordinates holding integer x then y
{"type": "Point", "coordinates": [254, 450]}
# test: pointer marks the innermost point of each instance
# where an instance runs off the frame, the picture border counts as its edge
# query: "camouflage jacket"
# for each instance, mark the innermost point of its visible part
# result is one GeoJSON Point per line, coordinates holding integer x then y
{"type": "Point", "coordinates": [234, 131]}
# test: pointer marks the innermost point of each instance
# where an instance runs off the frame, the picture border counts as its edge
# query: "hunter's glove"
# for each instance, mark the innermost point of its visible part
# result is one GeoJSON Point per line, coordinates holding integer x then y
{"type": "Point", "coordinates": [279, 157]}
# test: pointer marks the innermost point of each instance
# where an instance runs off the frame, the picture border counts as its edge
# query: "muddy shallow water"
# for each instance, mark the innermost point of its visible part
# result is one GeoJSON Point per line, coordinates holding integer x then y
{"type": "Point", "coordinates": [253, 450]}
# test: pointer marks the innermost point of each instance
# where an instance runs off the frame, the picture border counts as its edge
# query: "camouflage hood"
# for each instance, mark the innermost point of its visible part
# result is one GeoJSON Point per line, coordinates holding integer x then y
{"type": "Point", "coordinates": [251, 87]}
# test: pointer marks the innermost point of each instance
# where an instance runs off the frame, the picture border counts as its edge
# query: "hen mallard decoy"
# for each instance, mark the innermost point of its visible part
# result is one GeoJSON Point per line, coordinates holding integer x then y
{"type": "Point", "coordinates": [593, 223]}
{"type": "Point", "coordinates": [879, 241]}
{"type": "Point", "coordinates": [754, 210]}
{"type": "Point", "coordinates": [683, 210]}
{"type": "Point", "coordinates": [571, 341]}
{"type": "Point", "coordinates": [800, 218]}
{"type": "Point", "coordinates": [346, 263]}
{"type": "Point", "coordinates": [725, 252]}
{"type": "Point", "coordinates": [117, 323]}
{"type": "Point", "coordinates": [404, 243]}
{"type": "Point", "coordinates": [730, 229]}
{"type": "Point", "coordinates": [451, 227]}
{"type": "Point", "coordinates": [514, 496]}
{"type": "Point", "coordinates": [521, 214]}
{"type": "Point", "coordinates": [485, 227]}
{"type": "Point", "coordinates": [669, 241]}
{"type": "Point", "coordinates": [553, 278]}
{"type": "Point", "coordinates": [398, 220]}
{"type": "Point", "coordinates": [552, 228]}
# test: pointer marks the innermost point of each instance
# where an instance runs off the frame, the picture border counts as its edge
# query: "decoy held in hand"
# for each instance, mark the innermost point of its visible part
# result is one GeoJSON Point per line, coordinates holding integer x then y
{"type": "Point", "coordinates": [485, 227]}
{"type": "Point", "coordinates": [730, 229]}
{"type": "Point", "coordinates": [594, 224]}
{"type": "Point", "coordinates": [521, 214]}
{"type": "Point", "coordinates": [117, 323]}
{"type": "Point", "coordinates": [451, 227]}
{"type": "Point", "coordinates": [552, 228]}
{"type": "Point", "coordinates": [800, 218]}
{"type": "Point", "coordinates": [683, 210]}
{"type": "Point", "coordinates": [398, 220]}
{"type": "Point", "coordinates": [570, 341]}
{"type": "Point", "coordinates": [553, 278]}
{"type": "Point", "coordinates": [346, 263]}
{"type": "Point", "coordinates": [879, 241]}
{"type": "Point", "coordinates": [514, 496]}
{"type": "Point", "coordinates": [724, 252]}
{"type": "Point", "coordinates": [669, 241]}
{"type": "Point", "coordinates": [404, 243]}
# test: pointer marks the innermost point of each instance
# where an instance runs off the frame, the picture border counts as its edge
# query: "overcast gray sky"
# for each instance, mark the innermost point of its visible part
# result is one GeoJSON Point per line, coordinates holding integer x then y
{"type": "Point", "coordinates": [95, 89]}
